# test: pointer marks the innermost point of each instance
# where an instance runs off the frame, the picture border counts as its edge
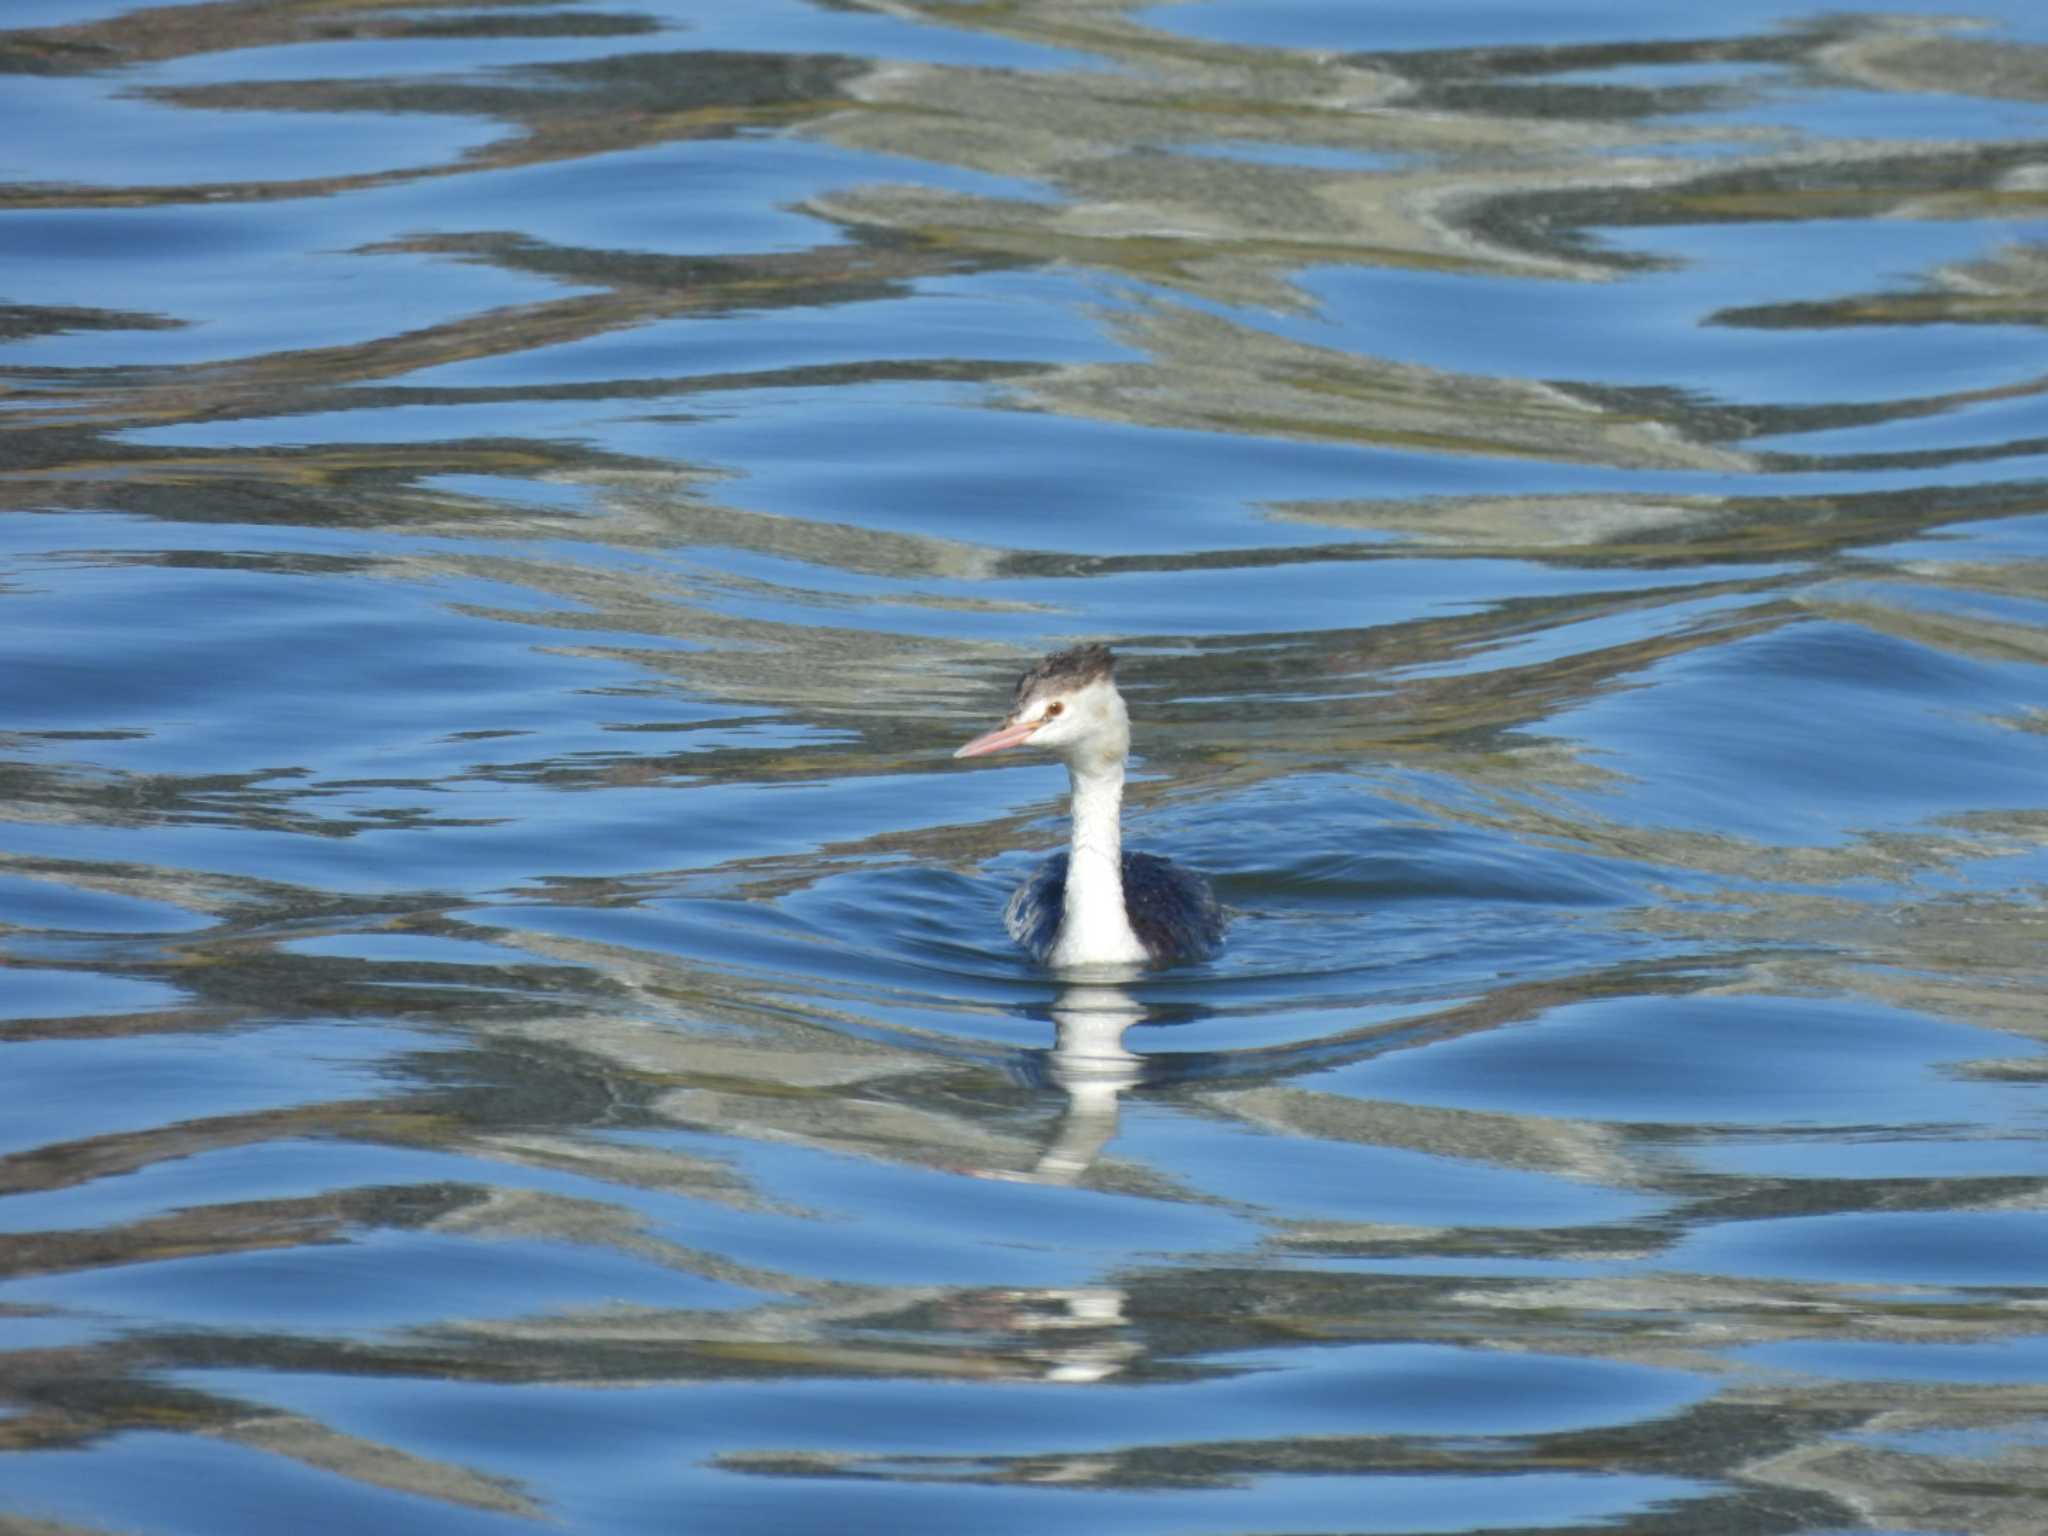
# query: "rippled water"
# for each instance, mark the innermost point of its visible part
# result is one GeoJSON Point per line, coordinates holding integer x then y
{"type": "Point", "coordinates": [508, 509]}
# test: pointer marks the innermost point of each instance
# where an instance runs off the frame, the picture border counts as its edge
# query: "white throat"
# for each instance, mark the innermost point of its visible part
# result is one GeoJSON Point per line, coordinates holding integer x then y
{"type": "Point", "coordinates": [1095, 929]}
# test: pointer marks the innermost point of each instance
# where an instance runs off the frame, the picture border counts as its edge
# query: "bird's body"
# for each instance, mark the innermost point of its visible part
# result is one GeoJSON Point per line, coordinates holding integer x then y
{"type": "Point", "coordinates": [1096, 904]}
{"type": "Point", "coordinates": [1171, 911]}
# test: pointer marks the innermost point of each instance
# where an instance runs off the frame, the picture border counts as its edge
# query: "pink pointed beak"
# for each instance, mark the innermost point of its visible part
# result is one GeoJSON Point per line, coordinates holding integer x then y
{"type": "Point", "coordinates": [1006, 735]}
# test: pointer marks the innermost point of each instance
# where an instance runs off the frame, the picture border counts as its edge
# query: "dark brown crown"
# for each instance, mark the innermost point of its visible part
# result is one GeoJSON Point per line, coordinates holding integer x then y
{"type": "Point", "coordinates": [1062, 672]}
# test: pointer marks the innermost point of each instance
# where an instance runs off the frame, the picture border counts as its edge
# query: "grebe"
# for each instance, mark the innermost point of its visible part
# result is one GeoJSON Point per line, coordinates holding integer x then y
{"type": "Point", "coordinates": [1096, 904]}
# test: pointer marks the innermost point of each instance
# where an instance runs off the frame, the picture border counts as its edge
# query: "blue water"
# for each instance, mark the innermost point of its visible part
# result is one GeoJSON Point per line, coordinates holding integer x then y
{"type": "Point", "coordinates": [505, 513]}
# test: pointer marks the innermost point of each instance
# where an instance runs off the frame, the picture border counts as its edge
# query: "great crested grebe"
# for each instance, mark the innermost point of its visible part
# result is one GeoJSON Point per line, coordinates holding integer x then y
{"type": "Point", "coordinates": [1096, 904]}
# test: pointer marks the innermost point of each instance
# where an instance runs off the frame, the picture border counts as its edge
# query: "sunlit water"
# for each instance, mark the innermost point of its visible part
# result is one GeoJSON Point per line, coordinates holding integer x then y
{"type": "Point", "coordinates": [503, 999]}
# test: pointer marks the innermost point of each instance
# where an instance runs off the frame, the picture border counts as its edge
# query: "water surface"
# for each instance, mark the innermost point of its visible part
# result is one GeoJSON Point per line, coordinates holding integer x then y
{"type": "Point", "coordinates": [506, 510]}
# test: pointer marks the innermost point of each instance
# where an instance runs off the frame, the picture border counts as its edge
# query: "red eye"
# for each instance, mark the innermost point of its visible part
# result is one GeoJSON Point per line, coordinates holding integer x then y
{"type": "Point", "coordinates": [1053, 708]}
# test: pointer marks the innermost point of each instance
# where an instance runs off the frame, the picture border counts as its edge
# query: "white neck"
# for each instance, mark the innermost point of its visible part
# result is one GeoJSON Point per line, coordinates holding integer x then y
{"type": "Point", "coordinates": [1095, 929]}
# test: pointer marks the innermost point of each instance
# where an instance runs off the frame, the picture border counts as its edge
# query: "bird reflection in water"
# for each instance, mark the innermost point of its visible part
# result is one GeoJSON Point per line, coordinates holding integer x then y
{"type": "Point", "coordinates": [1093, 1066]}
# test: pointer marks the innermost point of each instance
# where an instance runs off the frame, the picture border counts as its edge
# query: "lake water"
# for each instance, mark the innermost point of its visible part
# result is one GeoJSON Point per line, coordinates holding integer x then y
{"type": "Point", "coordinates": [505, 1015]}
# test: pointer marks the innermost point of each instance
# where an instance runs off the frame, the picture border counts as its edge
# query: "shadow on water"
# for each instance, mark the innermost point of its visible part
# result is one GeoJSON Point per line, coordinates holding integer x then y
{"type": "Point", "coordinates": [506, 510]}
